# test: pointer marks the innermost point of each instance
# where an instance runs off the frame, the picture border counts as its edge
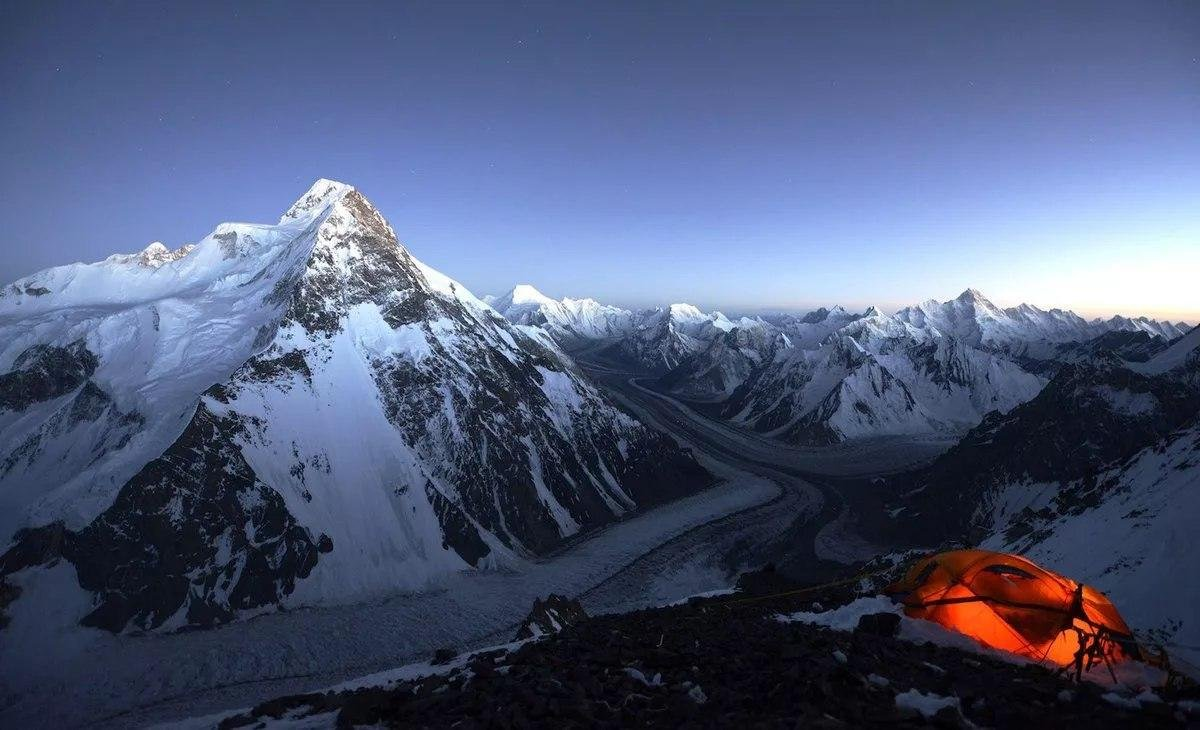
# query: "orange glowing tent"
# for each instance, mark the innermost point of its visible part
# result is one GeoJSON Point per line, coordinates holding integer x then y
{"type": "Point", "coordinates": [1010, 603]}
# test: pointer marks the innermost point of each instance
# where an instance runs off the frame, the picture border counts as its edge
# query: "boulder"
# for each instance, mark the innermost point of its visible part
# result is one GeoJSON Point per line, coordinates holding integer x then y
{"type": "Point", "coordinates": [550, 616]}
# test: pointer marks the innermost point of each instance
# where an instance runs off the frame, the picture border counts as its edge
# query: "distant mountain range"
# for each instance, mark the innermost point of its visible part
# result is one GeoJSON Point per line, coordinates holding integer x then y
{"type": "Point", "coordinates": [292, 414]}
{"type": "Point", "coordinates": [833, 375]}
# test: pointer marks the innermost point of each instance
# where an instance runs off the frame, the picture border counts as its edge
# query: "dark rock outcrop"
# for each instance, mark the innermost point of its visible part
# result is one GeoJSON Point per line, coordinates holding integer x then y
{"type": "Point", "coordinates": [43, 372]}
{"type": "Point", "coordinates": [1087, 417]}
{"type": "Point", "coordinates": [194, 532]}
{"type": "Point", "coordinates": [550, 616]}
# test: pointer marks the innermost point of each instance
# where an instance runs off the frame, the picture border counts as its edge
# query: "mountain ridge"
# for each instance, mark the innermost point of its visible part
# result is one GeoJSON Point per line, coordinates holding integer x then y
{"type": "Point", "coordinates": [832, 375]}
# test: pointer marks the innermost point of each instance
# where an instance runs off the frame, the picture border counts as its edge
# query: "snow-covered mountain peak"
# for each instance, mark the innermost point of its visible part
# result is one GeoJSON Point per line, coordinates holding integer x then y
{"type": "Point", "coordinates": [974, 296]}
{"type": "Point", "coordinates": [152, 256]}
{"type": "Point", "coordinates": [322, 194]}
{"type": "Point", "coordinates": [312, 413]}
{"type": "Point", "coordinates": [586, 303]}
{"type": "Point", "coordinates": [525, 305]}
{"type": "Point", "coordinates": [527, 294]}
{"type": "Point", "coordinates": [686, 312]}
{"type": "Point", "coordinates": [755, 323]}
{"type": "Point", "coordinates": [973, 301]}
{"type": "Point", "coordinates": [568, 320]}
{"type": "Point", "coordinates": [721, 322]}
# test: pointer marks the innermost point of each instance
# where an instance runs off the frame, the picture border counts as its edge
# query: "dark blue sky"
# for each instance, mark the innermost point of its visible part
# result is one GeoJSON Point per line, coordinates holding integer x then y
{"type": "Point", "coordinates": [811, 154]}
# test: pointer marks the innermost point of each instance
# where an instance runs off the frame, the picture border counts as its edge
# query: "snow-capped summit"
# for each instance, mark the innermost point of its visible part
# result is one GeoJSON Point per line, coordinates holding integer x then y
{"type": "Point", "coordinates": [322, 194]}
{"type": "Point", "coordinates": [683, 313]}
{"type": "Point", "coordinates": [292, 414]}
{"type": "Point", "coordinates": [729, 353]}
{"type": "Point", "coordinates": [527, 294]}
{"type": "Point", "coordinates": [527, 305]}
{"type": "Point", "coordinates": [152, 256]}
{"type": "Point", "coordinates": [875, 376]}
{"type": "Point", "coordinates": [662, 338]}
{"type": "Point", "coordinates": [973, 318]}
{"type": "Point", "coordinates": [653, 339]}
{"type": "Point", "coordinates": [156, 249]}
{"type": "Point", "coordinates": [570, 321]}
{"type": "Point", "coordinates": [970, 317]}
{"type": "Point", "coordinates": [973, 296]}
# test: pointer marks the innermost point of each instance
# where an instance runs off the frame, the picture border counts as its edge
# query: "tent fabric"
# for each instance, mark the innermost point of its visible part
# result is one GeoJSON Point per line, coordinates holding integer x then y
{"type": "Point", "coordinates": [1009, 602]}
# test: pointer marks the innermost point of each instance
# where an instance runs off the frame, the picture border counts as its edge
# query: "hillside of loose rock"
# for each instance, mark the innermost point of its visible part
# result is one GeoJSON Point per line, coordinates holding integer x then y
{"type": "Point", "coordinates": [725, 662]}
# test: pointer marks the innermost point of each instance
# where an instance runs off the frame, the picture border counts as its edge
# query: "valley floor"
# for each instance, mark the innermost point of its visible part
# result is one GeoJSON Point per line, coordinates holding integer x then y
{"type": "Point", "coordinates": [774, 503]}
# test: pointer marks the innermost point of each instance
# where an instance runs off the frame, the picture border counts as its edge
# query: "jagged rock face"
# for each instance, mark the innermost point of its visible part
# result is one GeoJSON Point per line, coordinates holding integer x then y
{"type": "Point", "coordinates": [550, 616]}
{"type": "Point", "coordinates": [868, 400]}
{"type": "Point", "coordinates": [1088, 416]}
{"type": "Point", "coordinates": [725, 363]}
{"type": "Point", "coordinates": [663, 338]}
{"type": "Point", "coordinates": [194, 532]}
{"type": "Point", "coordinates": [194, 537]}
{"type": "Point", "coordinates": [1131, 346]}
{"type": "Point", "coordinates": [43, 372]}
{"type": "Point", "coordinates": [875, 378]}
{"type": "Point", "coordinates": [935, 369]}
{"type": "Point", "coordinates": [85, 427]}
{"type": "Point", "coordinates": [53, 414]}
{"type": "Point", "coordinates": [810, 330]}
{"type": "Point", "coordinates": [1111, 348]}
{"type": "Point", "coordinates": [388, 428]}
{"type": "Point", "coordinates": [655, 349]}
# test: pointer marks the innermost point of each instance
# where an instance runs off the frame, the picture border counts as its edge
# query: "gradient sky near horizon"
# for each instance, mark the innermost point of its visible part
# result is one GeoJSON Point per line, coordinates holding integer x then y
{"type": "Point", "coordinates": [737, 155]}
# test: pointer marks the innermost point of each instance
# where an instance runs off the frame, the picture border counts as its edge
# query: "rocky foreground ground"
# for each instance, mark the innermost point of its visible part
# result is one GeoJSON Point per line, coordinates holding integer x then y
{"type": "Point", "coordinates": [726, 662]}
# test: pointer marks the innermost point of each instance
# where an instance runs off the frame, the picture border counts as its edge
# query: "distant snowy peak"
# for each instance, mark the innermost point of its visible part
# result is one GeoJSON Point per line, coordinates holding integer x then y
{"type": "Point", "coordinates": [822, 314]}
{"type": "Point", "coordinates": [570, 320]}
{"type": "Point", "coordinates": [688, 313]}
{"type": "Point", "coordinates": [970, 317]}
{"type": "Point", "coordinates": [574, 321]}
{"type": "Point", "coordinates": [974, 318]}
{"type": "Point", "coordinates": [730, 356]}
{"type": "Point", "coordinates": [688, 319]}
{"type": "Point", "coordinates": [152, 256]}
{"type": "Point", "coordinates": [527, 294]}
